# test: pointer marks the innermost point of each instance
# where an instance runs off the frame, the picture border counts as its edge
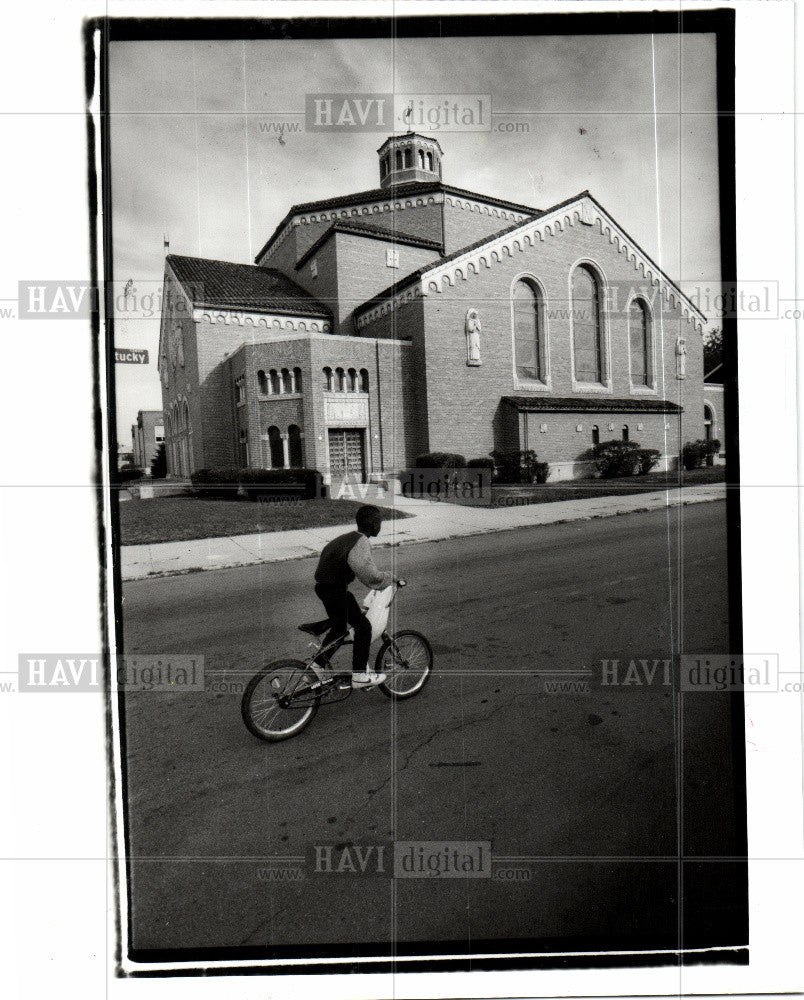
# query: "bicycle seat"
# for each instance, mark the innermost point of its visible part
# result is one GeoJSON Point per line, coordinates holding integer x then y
{"type": "Point", "coordinates": [315, 628]}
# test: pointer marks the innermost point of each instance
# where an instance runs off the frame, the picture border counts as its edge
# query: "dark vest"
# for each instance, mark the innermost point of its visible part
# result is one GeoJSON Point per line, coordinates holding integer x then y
{"type": "Point", "coordinates": [333, 570]}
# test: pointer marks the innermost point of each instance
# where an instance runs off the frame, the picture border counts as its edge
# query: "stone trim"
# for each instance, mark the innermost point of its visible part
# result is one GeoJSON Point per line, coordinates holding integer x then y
{"type": "Point", "coordinates": [267, 321]}
{"type": "Point", "coordinates": [585, 211]}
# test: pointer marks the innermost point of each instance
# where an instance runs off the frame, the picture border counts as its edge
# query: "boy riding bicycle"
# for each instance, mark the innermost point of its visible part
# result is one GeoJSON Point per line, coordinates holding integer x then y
{"type": "Point", "coordinates": [342, 560]}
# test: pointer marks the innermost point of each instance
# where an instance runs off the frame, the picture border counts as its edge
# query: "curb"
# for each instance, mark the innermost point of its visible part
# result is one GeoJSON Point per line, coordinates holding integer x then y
{"type": "Point", "coordinates": [472, 533]}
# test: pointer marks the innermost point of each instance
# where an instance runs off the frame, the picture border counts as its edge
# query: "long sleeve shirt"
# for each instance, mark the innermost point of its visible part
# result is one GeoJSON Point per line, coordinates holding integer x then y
{"type": "Point", "coordinates": [361, 562]}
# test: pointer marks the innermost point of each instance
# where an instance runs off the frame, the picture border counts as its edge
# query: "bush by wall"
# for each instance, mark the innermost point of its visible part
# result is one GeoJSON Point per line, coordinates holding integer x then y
{"type": "Point", "coordinates": [439, 460]}
{"type": "Point", "coordinates": [519, 466]}
{"type": "Point", "coordinates": [694, 454]}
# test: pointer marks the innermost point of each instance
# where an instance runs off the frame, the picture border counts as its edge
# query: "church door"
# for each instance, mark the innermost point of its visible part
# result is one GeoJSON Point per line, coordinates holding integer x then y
{"type": "Point", "coordinates": [347, 453]}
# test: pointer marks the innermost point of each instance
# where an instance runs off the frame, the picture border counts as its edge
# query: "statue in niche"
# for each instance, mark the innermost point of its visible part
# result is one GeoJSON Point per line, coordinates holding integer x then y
{"type": "Point", "coordinates": [681, 357]}
{"type": "Point", "coordinates": [473, 330]}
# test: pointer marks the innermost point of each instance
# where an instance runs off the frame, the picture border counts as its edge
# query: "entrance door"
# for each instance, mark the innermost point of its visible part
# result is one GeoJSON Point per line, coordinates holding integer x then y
{"type": "Point", "coordinates": [347, 453]}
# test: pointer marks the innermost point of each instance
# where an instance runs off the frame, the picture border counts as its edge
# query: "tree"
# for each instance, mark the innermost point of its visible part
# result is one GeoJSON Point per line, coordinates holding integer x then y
{"type": "Point", "coordinates": [159, 463]}
{"type": "Point", "coordinates": [713, 349]}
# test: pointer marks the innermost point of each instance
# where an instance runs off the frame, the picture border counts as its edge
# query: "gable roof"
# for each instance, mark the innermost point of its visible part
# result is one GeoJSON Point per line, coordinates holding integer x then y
{"type": "Point", "coordinates": [625, 243]}
{"type": "Point", "coordinates": [222, 284]}
{"type": "Point", "coordinates": [370, 231]}
{"type": "Point", "coordinates": [392, 191]}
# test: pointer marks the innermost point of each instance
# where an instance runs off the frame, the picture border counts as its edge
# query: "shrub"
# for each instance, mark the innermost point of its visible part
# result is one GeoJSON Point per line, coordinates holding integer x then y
{"type": "Point", "coordinates": [648, 457]}
{"type": "Point", "coordinates": [617, 458]}
{"type": "Point", "coordinates": [159, 463]}
{"type": "Point", "coordinates": [303, 484]}
{"type": "Point", "coordinates": [480, 463]}
{"type": "Point", "coordinates": [439, 460]}
{"type": "Point", "coordinates": [516, 466]}
{"type": "Point", "coordinates": [216, 483]}
{"type": "Point", "coordinates": [128, 473]}
{"type": "Point", "coordinates": [542, 472]}
{"type": "Point", "coordinates": [695, 453]}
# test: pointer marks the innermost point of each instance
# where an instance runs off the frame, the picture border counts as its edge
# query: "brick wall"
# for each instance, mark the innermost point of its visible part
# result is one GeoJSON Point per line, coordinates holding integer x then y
{"type": "Point", "coordinates": [463, 402]}
{"type": "Point", "coordinates": [464, 226]}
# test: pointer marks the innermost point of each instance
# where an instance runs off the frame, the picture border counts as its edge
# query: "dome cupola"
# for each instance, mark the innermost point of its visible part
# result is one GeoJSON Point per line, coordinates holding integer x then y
{"type": "Point", "coordinates": [408, 158]}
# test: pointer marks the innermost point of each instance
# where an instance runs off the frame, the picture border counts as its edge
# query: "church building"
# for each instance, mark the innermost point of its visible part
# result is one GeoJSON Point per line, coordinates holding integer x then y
{"type": "Point", "coordinates": [418, 317]}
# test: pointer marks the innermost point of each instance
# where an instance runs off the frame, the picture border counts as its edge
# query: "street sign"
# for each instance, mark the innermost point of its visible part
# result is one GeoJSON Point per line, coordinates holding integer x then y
{"type": "Point", "coordinates": [130, 356]}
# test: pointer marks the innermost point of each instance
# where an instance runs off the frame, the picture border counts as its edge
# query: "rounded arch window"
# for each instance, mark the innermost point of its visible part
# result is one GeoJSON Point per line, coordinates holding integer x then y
{"type": "Point", "coordinates": [408, 157]}
{"type": "Point", "coordinates": [421, 158]}
{"type": "Point", "coordinates": [709, 422]}
{"type": "Point", "coordinates": [528, 315]}
{"type": "Point", "coordinates": [340, 380]}
{"type": "Point", "coordinates": [625, 432]}
{"type": "Point", "coordinates": [595, 434]}
{"type": "Point", "coordinates": [399, 159]}
{"type": "Point", "coordinates": [287, 385]}
{"type": "Point", "coordinates": [328, 379]}
{"type": "Point", "coordinates": [276, 385]}
{"type": "Point", "coordinates": [262, 381]}
{"type": "Point", "coordinates": [639, 335]}
{"type": "Point", "coordinates": [352, 383]}
{"type": "Point", "coordinates": [297, 379]}
{"type": "Point", "coordinates": [364, 380]}
{"type": "Point", "coordinates": [430, 161]}
{"type": "Point", "coordinates": [276, 454]}
{"type": "Point", "coordinates": [295, 449]}
{"type": "Point", "coordinates": [587, 328]}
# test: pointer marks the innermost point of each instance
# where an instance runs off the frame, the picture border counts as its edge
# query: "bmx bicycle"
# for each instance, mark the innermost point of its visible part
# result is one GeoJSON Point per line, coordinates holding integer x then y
{"type": "Point", "coordinates": [283, 697]}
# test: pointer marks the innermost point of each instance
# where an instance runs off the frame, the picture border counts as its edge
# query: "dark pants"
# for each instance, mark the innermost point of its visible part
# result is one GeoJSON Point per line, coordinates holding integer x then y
{"type": "Point", "coordinates": [343, 610]}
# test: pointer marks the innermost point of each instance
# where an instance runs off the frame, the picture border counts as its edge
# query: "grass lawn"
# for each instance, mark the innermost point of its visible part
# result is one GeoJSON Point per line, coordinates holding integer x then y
{"type": "Point", "coordinates": [583, 489]}
{"type": "Point", "coordinates": [174, 519]}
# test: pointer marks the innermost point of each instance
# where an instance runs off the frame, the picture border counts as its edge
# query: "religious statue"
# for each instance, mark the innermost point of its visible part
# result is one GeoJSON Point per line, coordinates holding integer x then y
{"type": "Point", "coordinates": [681, 357]}
{"type": "Point", "coordinates": [473, 331]}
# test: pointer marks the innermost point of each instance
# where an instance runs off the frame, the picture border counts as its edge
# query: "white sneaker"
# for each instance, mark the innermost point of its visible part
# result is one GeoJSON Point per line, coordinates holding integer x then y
{"type": "Point", "coordinates": [368, 680]}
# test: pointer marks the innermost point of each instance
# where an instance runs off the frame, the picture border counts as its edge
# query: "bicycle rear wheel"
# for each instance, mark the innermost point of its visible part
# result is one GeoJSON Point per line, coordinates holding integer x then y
{"type": "Point", "coordinates": [407, 659]}
{"type": "Point", "coordinates": [281, 700]}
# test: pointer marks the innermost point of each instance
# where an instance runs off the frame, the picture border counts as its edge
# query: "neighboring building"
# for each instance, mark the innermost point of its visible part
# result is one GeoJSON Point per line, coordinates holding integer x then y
{"type": "Point", "coordinates": [420, 317]}
{"type": "Point", "coordinates": [147, 434]}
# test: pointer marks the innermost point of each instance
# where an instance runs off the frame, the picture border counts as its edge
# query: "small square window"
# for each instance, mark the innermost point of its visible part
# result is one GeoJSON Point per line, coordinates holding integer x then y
{"type": "Point", "coordinates": [392, 257]}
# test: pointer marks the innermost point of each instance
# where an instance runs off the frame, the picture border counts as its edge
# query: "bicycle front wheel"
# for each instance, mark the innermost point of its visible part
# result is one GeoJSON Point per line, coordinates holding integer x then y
{"type": "Point", "coordinates": [281, 700]}
{"type": "Point", "coordinates": [406, 659]}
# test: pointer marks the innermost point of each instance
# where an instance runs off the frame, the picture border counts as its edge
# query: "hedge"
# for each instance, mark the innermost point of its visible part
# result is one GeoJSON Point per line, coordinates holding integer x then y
{"type": "Point", "coordinates": [304, 483]}
{"type": "Point", "coordinates": [439, 460]}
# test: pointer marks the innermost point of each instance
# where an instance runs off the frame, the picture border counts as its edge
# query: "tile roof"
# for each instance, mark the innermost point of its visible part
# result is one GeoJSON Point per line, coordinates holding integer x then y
{"type": "Point", "coordinates": [242, 286]}
{"type": "Point", "coordinates": [393, 191]}
{"type": "Point", "coordinates": [598, 404]}
{"type": "Point", "coordinates": [372, 232]}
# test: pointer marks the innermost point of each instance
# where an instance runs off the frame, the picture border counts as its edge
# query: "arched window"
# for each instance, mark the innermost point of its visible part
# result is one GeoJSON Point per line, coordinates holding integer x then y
{"type": "Point", "coordinates": [263, 382]}
{"type": "Point", "coordinates": [639, 341]}
{"type": "Point", "coordinates": [364, 381]}
{"type": "Point", "coordinates": [276, 385]}
{"type": "Point", "coordinates": [587, 326]}
{"type": "Point", "coordinates": [276, 453]}
{"type": "Point", "coordinates": [430, 161]}
{"type": "Point", "coordinates": [287, 385]}
{"type": "Point", "coordinates": [399, 159]}
{"type": "Point", "coordinates": [408, 157]}
{"type": "Point", "coordinates": [297, 380]}
{"type": "Point", "coordinates": [340, 380]}
{"type": "Point", "coordinates": [625, 432]}
{"type": "Point", "coordinates": [328, 379]}
{"type": "Point", "coordinates": [528, 333]}
{"type": "Point", "coordinates": [595, 434]}
{"type": "Point", "coordinates": [295, 450]}
{"type": "Point", "coordinates": [352, 384]}
{"type": "Point", "coordinates": [421, 158]}
{"type": "Point", "coordinates": [709, 423]}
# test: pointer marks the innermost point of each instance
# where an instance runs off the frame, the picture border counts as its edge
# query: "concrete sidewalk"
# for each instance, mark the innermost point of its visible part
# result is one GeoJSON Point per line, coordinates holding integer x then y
{"type": "Point", "coordinates": [431, 522]}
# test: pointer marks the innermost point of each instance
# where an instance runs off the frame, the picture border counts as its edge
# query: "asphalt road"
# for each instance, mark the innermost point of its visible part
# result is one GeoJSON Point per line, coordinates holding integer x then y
{"type": "Point", "coordinates": [586, 796]}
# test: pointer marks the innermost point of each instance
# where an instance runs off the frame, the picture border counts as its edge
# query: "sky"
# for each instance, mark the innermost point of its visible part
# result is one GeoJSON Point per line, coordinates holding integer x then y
{"type": "Point", "coordinates": [195, 154]}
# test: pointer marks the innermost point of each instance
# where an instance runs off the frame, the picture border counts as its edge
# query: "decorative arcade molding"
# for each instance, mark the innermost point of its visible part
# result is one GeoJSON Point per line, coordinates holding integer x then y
{"type": "Point", "coordinates": [267, 321]}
